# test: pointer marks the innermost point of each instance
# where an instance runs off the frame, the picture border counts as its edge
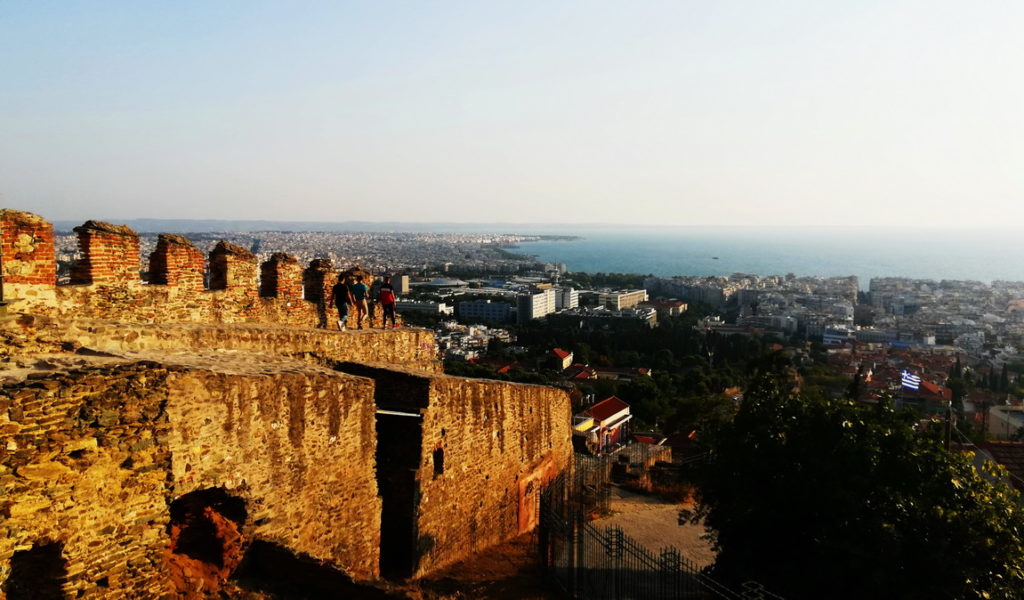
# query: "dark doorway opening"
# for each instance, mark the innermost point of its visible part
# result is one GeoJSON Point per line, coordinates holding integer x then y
{"type": "Point", "coordinates": [401, 399]}
{"type": "Point", "coordinates": [399, 441]}
{"type": "Point", "coordinates": [37, 573]}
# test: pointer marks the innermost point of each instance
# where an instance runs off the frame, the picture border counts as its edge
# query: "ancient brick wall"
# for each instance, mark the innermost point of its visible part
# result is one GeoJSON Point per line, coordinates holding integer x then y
{"type": "Point", "coordinates": [176, 262]}
{"type": "Point", "coordinates": [499, 444]}
{"type": "Point", "coordinates": [110, 254]}
{"type": "Point", "coordinates": [281, 277]}
{"type": "Point", "coordinates": [460, 462]}
{"type": "Point", "coordinates": [91, 459]}
{"type": "Point", "coordinates": [111, 468]}
{"type": "Point", "coordinates": [299, 446]}
{"type": "Point", "coordinates": [28, 265]}
{"type": "Point", "coordinates": [83, 468]}
{"type": "Point", "coordinates": [106, 283]}
{"type": "Point", "coordinates": [29, 334]}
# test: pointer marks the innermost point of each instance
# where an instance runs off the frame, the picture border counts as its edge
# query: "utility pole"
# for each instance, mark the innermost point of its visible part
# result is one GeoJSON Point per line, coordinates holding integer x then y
{"type": "Point", "coordinates": [3, 303]}
{"type": "Point", "coordinates": [949, 425]}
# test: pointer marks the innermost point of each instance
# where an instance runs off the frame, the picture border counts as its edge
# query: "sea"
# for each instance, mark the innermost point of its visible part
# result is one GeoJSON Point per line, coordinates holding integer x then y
{"type": "Point", "coordinates": [960, 254]}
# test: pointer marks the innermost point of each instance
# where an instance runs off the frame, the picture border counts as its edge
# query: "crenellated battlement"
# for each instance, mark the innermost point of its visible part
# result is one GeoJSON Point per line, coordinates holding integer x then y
{"type": "Point", "coordinates": [106, 284]}
{"type": "Point", "coordinates": [110, 254]}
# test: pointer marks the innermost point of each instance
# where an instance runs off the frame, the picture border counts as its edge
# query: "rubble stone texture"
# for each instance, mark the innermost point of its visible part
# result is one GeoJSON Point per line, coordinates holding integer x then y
{"type": "Point", "coordinates": [153, 434]}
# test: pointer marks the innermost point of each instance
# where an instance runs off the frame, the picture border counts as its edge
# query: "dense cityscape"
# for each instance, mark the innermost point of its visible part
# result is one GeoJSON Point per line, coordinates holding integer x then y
{"type": "Point", "coordinates": [478, 291]}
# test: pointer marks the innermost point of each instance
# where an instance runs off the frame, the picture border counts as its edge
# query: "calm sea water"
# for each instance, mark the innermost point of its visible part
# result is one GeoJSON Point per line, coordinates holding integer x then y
{"type": "Point", "coordinates": [866, 253]}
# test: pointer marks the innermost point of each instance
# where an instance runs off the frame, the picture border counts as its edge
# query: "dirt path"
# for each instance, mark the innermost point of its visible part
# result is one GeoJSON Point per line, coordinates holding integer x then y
{"type": "Point", "coordinates": [654, 523]}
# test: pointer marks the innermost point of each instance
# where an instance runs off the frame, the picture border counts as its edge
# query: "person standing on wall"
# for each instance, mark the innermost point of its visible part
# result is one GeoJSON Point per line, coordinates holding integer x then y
{"type": "Point", "coordinates": [341, 296]}
{"type": "Point", "coordinates": [373, 298]}
{"type": "Point", "coordinates": [387, 303]}
{"type": "Point", "coordinates": [358, 291]}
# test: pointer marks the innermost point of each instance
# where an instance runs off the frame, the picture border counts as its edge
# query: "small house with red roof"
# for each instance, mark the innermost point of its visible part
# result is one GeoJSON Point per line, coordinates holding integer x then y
{"type": "Point", "coordinates": [602, 427]}
{"type": "Point", "coordinates": [580, 372]}
{"type": "Point", "coordinates": [560, 359]}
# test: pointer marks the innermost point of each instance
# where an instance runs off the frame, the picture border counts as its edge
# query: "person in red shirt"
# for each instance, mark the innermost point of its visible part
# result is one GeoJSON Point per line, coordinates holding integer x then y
{"type": "Point", "coordinates": [387, 303]}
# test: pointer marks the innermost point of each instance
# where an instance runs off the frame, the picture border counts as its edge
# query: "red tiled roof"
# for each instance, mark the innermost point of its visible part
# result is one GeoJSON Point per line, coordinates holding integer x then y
{"type": "Point", "coordinates": [561, 353]}
{"type": "Point", "coordinates": [607, 408]}
{"type": "Point", "coordinates": [1011, 456]}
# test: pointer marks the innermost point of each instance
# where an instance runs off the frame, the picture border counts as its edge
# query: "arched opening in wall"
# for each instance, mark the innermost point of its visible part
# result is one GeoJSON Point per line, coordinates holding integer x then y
{"type": "Point", "coordinates": [206, 538]}
{"type": "Point", "coordinates": [37, 573]}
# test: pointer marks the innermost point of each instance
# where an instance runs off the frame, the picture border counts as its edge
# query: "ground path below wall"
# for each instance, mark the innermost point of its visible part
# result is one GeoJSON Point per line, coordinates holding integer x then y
{"type": "Point", "coordinates": [654, 524]}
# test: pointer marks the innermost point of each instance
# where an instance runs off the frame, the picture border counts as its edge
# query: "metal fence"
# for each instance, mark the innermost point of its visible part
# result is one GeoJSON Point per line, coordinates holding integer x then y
{"type": "Point", "coordinates": [590, 563]}
{"type": "Point", "coordinates": [587, 486]}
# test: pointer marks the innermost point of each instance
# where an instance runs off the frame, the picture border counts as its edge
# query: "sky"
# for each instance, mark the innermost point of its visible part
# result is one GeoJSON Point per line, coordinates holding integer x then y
{"type": "Point", "coordinates": [763, 112]}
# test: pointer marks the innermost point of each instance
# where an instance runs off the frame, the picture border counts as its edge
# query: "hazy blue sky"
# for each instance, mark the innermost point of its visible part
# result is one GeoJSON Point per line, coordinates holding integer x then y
{"type": "Point", "coordinates": [680, 112]}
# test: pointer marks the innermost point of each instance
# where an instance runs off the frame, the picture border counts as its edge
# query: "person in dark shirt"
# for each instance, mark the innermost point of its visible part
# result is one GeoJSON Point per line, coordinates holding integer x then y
{"type": "Point", "coordinates": [341, 297]}
{"type": "Point", "coordinates": [387, 303]}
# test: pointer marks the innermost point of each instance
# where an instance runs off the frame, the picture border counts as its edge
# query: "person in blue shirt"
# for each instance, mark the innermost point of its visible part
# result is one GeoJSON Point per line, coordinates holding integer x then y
{"type": "Point", "coordinates": [359, 291]}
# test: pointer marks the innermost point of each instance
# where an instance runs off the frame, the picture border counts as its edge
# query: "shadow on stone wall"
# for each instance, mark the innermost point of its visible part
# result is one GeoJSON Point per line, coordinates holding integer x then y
{"type": "Point", "coordinates": [273, 569]}
{"type": "Point", "coordinates": [37, 574]}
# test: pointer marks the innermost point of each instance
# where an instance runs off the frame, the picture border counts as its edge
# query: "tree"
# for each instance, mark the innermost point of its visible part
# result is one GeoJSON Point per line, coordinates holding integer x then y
{"type": "Point", "coordinates": [829, 499]}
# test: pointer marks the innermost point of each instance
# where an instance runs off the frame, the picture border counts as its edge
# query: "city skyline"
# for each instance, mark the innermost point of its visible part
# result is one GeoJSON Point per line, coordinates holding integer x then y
{"type": "Point", "coordinates": [661, 113]}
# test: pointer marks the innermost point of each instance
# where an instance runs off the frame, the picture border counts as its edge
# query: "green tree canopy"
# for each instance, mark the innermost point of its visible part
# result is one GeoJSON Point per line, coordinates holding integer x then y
{"type": "Point", "coordinates": [831, 499]}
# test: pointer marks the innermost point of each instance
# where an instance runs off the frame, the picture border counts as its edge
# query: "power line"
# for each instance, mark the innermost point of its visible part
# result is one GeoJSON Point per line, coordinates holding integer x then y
{"type": "Point", "coordinates": [969, 442]}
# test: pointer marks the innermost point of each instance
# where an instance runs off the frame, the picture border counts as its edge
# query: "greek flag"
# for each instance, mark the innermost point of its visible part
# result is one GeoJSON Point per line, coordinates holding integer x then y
{"type": "Point", "coordinates": [911, 381]}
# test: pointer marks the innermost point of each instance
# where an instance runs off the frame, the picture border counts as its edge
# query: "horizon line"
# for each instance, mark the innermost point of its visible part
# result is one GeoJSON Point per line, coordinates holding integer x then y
{"type": "Point", "coordinates": [885, 226]}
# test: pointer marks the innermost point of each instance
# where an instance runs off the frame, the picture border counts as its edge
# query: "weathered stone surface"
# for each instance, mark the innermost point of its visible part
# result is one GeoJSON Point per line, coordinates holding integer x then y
{"type": "Point", "coordinates": [149, 433]}
{"type": "Point", "coordinates": [480, 453]}
{"type": "Point", "coordinates": [294, 441]}
{"type": "Point", "coordinates": [28, 335]}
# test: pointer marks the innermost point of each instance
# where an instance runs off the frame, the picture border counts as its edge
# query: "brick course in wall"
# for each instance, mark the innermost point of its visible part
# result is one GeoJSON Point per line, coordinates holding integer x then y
{"type": "Point", "coordinates": [110, 254]}
{"type": "Point", "coordinates": [281, 277]}
{"type": "Point", "coordinates": [27, 250]}
{"type": "Point", "coordinates": [176, 262]}
{"type": "Point", "coordinates": [107, 284]}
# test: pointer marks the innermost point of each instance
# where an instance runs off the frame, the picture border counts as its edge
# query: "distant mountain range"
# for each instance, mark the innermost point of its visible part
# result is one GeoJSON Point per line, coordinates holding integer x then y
{"type": "Point", "coordinates": [213, 225]}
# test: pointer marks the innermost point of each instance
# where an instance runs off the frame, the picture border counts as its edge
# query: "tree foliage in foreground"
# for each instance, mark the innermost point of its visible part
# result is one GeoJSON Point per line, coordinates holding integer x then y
{"type": "Point", "coordinates": [829, 499]}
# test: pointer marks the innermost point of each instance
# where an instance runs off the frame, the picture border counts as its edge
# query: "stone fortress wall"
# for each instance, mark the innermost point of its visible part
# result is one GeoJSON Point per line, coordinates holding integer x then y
{"type": "Point", "coordinates": [154, 436]}
{"type": "Point", "coordinates": [105, 283]}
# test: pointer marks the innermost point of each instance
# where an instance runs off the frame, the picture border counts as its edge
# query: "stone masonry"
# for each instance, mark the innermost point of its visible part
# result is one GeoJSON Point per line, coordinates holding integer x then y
{"type": "Point", "coordinates": [94, 456]}
{"type": "Point", "coordinates": [154, 435]}
{"type": "Point", "coordinates": [106, 283]}
{"type": "Point", "coordinates": [464, 460]}
{"type": "Point", "coordinates": [111, 254]}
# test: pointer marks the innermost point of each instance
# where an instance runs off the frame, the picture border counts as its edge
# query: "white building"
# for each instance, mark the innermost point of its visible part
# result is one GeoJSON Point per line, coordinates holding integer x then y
{"type": "Point", "coordinates": [566, 298]}
{"type": "Point", "coordinates": [535, 305]}
{"type": "Point", "coordinates": [620, 300]}
{"type": "Point", "coordinates": [1005, 421]}
{"type": "Point", "coordinates": [427, 307]}
{"type": "Point", "coordinates": [837, 335]}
